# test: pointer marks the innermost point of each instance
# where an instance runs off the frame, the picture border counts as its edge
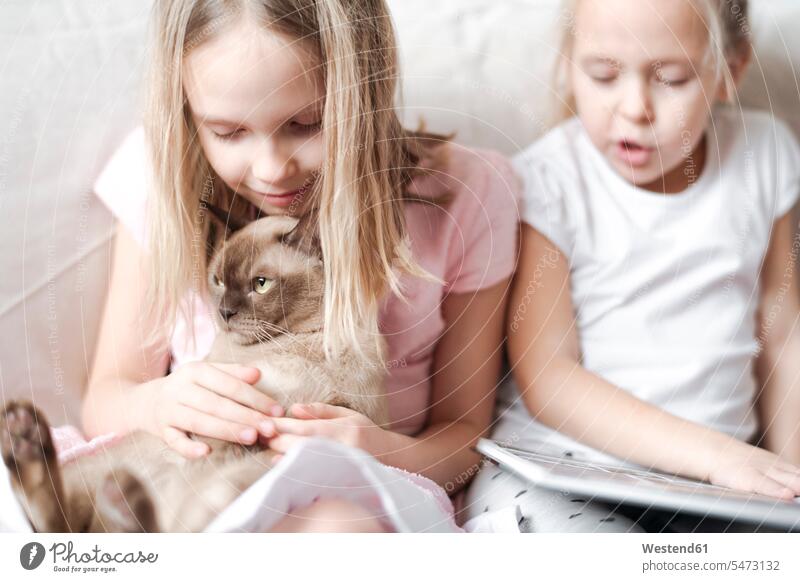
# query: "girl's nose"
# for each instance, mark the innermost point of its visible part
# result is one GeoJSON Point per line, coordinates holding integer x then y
{"type": "Point", "coordinates": [272, 164]}
{"type": "Point", "coordinates": [636, 104]}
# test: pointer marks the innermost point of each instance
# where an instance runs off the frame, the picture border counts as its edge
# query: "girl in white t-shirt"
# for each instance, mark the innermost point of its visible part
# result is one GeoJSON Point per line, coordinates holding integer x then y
{"type": "Point", "coordinates": [654, 315]}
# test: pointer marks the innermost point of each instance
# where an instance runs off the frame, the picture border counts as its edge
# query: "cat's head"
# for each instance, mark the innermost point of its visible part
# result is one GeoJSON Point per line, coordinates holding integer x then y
{"type": "Point", "coordinates": [267, 279]}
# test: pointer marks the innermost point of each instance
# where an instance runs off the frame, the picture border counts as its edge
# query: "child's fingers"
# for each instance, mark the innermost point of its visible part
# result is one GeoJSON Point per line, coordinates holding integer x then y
{"type": "Point", "coordinates": [318, 410]}
{"type": "Point", "coordinates": [773, 488]}
{"type": "Point", "coordinates": [297, 426]}
{"type": "Point", "coordinates": [200, 423]}
{"type": "Point", "coordinates": [212, 403]}
{"type": "Point", "coordinates": [178, 440]}
{"type": "Point", "coordinates": [790, 479]}
{"type": "Point", "coordinates": [282, 443]}
{"type": "Point", "coordinates": [216, 379]}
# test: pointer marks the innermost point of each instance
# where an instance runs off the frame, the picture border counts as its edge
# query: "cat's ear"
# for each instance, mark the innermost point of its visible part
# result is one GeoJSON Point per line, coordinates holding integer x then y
{"type": "Point", "coordinates": [305, 235]}
{"type": "Point", "coordinates": [225, 219]}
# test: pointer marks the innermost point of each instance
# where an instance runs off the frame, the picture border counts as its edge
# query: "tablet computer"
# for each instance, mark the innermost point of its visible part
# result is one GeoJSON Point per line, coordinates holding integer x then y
{"type": "Point", "coordinates": [546, 466]}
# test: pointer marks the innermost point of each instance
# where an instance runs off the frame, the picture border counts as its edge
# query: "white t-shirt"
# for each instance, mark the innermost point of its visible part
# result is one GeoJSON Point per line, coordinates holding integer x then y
{"type": "Point", "coordinates": [665, 287]}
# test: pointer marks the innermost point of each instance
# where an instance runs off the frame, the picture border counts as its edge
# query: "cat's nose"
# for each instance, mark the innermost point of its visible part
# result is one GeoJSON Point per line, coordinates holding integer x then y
{"type": "Point", "coordinates": [227, 313]}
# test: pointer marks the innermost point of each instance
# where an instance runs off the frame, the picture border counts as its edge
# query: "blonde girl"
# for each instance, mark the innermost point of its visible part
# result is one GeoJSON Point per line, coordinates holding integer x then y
{"type": "Point", "coordinates": [287, 107]}
{"type": "Point", "coordinates": [654, 318]}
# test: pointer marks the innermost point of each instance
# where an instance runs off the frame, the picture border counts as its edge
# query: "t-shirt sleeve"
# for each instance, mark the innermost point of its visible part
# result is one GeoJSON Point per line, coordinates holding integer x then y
{"type": "Point", "coordinates": [489, 224]}
{"type": "Point", "coordinates": [787, 166]}
{"type": "Point", "coordinates": [544, 204]}
{"type": "Point", "coordinates": [123, 185]}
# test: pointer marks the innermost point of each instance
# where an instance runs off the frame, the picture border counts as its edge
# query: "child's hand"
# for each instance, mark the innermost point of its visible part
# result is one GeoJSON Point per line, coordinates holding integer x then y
{"type": "Point", "coordinates": [756, 470]}
{"type": "Point", "coordinates": [334, 422]}
{"type": "Point", "coordinates": [212, 400]}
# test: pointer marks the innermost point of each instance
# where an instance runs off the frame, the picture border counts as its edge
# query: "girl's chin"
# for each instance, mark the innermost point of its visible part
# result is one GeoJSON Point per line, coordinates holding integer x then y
{"type": "Point", "coordinates": [637, 176]}
{"type": "Point", "coordinates": [270, 209]}
{"type": "Point", "coordinates": [645, 178]}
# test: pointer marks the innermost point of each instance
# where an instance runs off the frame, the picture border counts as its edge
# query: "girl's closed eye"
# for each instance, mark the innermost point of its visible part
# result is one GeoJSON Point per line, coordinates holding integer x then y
{"type": "Point", "coordinates": [604, 79]}
{"type": "Point", "coordinates": [302, 127]}
{"type": "Point", "coordinates": [229, 136]}
{"type": "Point", "coordinates": [602, 72]}
{"type": "Point", "coordinates": [671, 75]}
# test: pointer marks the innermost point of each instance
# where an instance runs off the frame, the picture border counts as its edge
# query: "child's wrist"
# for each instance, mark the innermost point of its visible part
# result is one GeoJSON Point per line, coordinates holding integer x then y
{"type": "Point", "coordinates": [138, 402]}
{"type": "Point", "coordinates": [717, 450]}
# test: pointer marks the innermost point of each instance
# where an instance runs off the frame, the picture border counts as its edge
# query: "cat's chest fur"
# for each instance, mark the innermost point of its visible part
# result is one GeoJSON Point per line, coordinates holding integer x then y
{"type": "Point", "coordinates": [284, 363]}
{"type": "Point", "coordinates": [294, 370]}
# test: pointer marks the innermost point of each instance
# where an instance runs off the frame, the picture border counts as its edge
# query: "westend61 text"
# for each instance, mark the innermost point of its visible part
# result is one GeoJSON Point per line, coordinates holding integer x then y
{"type": "Point", "coordinates": [672, 549]}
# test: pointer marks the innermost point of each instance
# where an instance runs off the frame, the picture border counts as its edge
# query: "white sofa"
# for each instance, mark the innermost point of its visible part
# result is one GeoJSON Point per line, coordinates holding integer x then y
{"type": "Point", "coordinates": [70, 79]}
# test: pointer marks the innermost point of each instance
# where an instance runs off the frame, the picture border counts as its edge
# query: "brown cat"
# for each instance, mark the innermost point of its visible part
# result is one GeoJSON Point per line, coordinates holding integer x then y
{"type": "Point", "coordinates": [267, 283]}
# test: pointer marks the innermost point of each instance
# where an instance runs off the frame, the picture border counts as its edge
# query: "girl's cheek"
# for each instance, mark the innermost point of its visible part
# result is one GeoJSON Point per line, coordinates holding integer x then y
{"type": "Point", "coordinates": [230, 167]}
{"type": "Point", "coordinates": [594, 110]}
{"type": "Point", "coordinates": [310, 153]}
{"type": "Point", "coordinates": [690, 114]}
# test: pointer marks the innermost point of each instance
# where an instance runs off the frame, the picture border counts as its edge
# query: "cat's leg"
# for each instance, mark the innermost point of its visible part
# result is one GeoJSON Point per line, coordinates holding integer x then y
{"type": "Point", "coordinates": [122, 504]}
{"type": "Point", "coordinates": [28, 452]}
{"type": "Point", "coordinates": [216, 487]}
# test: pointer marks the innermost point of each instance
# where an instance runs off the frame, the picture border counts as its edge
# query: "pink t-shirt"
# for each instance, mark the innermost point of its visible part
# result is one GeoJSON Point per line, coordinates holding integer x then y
{"type": "Point", "coordinates": [471, 244]}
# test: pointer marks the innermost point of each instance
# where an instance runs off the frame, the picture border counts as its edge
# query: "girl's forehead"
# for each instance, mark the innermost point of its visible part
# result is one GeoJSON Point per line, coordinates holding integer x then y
{"type": "Point", "coordinates": [635, 30]}
{"type": "Point", "coordinates": [249, 73]}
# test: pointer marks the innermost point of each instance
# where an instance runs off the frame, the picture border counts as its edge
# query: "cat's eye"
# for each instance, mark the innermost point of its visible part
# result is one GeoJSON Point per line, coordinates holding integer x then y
{"type": "Point", "coordinates": [217, 282]}
{"type": "Point", "coordinates": [261, 285]}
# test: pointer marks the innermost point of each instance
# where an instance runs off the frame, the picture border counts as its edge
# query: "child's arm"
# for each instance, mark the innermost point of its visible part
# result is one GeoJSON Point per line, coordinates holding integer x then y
{"type": "Point", "coordinates": [558, 391]}
{"type": "Point", "coordinates": [778, 366]}
{"type": "Point", "coordinates": [467, 366]}
{"type": "Point", "coordinates": [467, 363]}
{"type": "Point", "coordinates": [128, 389]}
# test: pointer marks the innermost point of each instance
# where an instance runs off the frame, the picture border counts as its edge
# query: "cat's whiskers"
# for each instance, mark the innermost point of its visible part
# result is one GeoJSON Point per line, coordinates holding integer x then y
{"type": "Point", "coordinates": [273, 327]}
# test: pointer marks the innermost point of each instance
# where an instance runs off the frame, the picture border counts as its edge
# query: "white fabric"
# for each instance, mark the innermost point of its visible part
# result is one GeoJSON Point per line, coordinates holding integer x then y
{"type": "Point", "coordinates": [395, 497]}
{"type": "Point", "coordinates": [666, 288]}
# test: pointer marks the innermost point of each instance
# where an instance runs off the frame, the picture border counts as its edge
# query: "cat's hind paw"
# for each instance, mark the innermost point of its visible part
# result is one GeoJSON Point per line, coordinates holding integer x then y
{"type": "Point", "coordinates": [25, 441]}
{"type": "Point", "coordinates": [28, 451]}
{"type": "Point", "coordinates": [123, 504]}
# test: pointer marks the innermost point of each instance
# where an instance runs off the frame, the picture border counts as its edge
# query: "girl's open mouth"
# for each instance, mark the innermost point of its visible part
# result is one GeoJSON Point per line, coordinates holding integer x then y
{"type": "Point", "coordinates": [633, 154]}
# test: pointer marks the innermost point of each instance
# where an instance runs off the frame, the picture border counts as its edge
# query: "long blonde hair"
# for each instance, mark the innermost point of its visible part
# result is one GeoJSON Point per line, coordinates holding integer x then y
{"type": "Point", "coordinates": [729, 32]}
{"type": "Point", "coordinates": [360, 193]}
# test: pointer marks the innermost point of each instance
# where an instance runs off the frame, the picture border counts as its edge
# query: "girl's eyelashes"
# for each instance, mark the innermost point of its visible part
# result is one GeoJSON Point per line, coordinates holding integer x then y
{"type": "Point", "coordinates": [305, 128]}
{"type": "Point", "coordinates": [603, 75]}
{"type": "Point", "coordinates": [672, 84]}
{"type": "Point", "coordinates": [671, 81]}
{"type": "Point", "coordinates": [228, 136]}
{"type": "Point", "coordinates": [603, 79]}
{"type": "Point", "coordinates": [295, 127]}
{"type": "Point", "coordinates": [671, 75]}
